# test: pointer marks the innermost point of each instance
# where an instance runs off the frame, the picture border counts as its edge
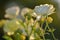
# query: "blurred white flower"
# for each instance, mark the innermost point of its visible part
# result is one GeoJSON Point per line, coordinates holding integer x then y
{"type": "Point", "coordinates": [25, 11]}
{"type": "Point", "coordinates": [45, 9]}
{"type": "Point", "coordinates": [12, 12]}
{"type": "Point", "coordinates": [11, 26]}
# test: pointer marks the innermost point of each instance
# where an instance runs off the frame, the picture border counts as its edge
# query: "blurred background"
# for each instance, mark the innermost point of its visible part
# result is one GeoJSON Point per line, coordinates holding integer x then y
{"type": "Point", "coordinates": [4, 4]}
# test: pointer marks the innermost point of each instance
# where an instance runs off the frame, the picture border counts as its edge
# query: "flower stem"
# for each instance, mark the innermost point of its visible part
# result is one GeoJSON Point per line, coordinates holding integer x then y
{"type": "Point", "coordinates": [47, 26]}
{"type": "Point", "coordinates": [43, 37]}
{"type": "Point", "coordinates": [53, 36]}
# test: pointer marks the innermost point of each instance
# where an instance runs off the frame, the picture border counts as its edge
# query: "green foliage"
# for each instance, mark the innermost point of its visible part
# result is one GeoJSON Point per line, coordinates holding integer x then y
{"type": "Point", "coordinates": [7, 37]}
{"type": "Point", "coordinates": [30, 28]}
{"type": "Point", "coordinates": [17, 36]}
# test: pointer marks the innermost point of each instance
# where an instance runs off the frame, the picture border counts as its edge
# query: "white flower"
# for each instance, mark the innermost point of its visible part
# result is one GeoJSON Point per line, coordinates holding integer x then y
{"type": "Point", "coordinates": [12, 12]}
{"type": "Point", "coordinates": [11, 26]}
{"type": "Point", "coordinates": [45, 9]}
{"type": "Point", "coordinates": [25, 11]}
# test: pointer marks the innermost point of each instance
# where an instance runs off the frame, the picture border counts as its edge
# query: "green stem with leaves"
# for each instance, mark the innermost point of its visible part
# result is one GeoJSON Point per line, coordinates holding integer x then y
{"type": "Point", "coordinates": [53, 36]}
{"type": "Point", "coordinates": [47, 26]}
{"type": "Point", "coordinates": [41, 31]}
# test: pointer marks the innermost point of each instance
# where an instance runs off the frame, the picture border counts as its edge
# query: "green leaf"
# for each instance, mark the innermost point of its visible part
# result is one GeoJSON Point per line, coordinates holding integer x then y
{"type": "Point", "coordinates": [51, 30]}
{"type": "Point", "coordinates": [17, 36]}
{"type": "Point", "coordinates": [7, 37]}
{"type": "Point", "coordinates": [18, 31]}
